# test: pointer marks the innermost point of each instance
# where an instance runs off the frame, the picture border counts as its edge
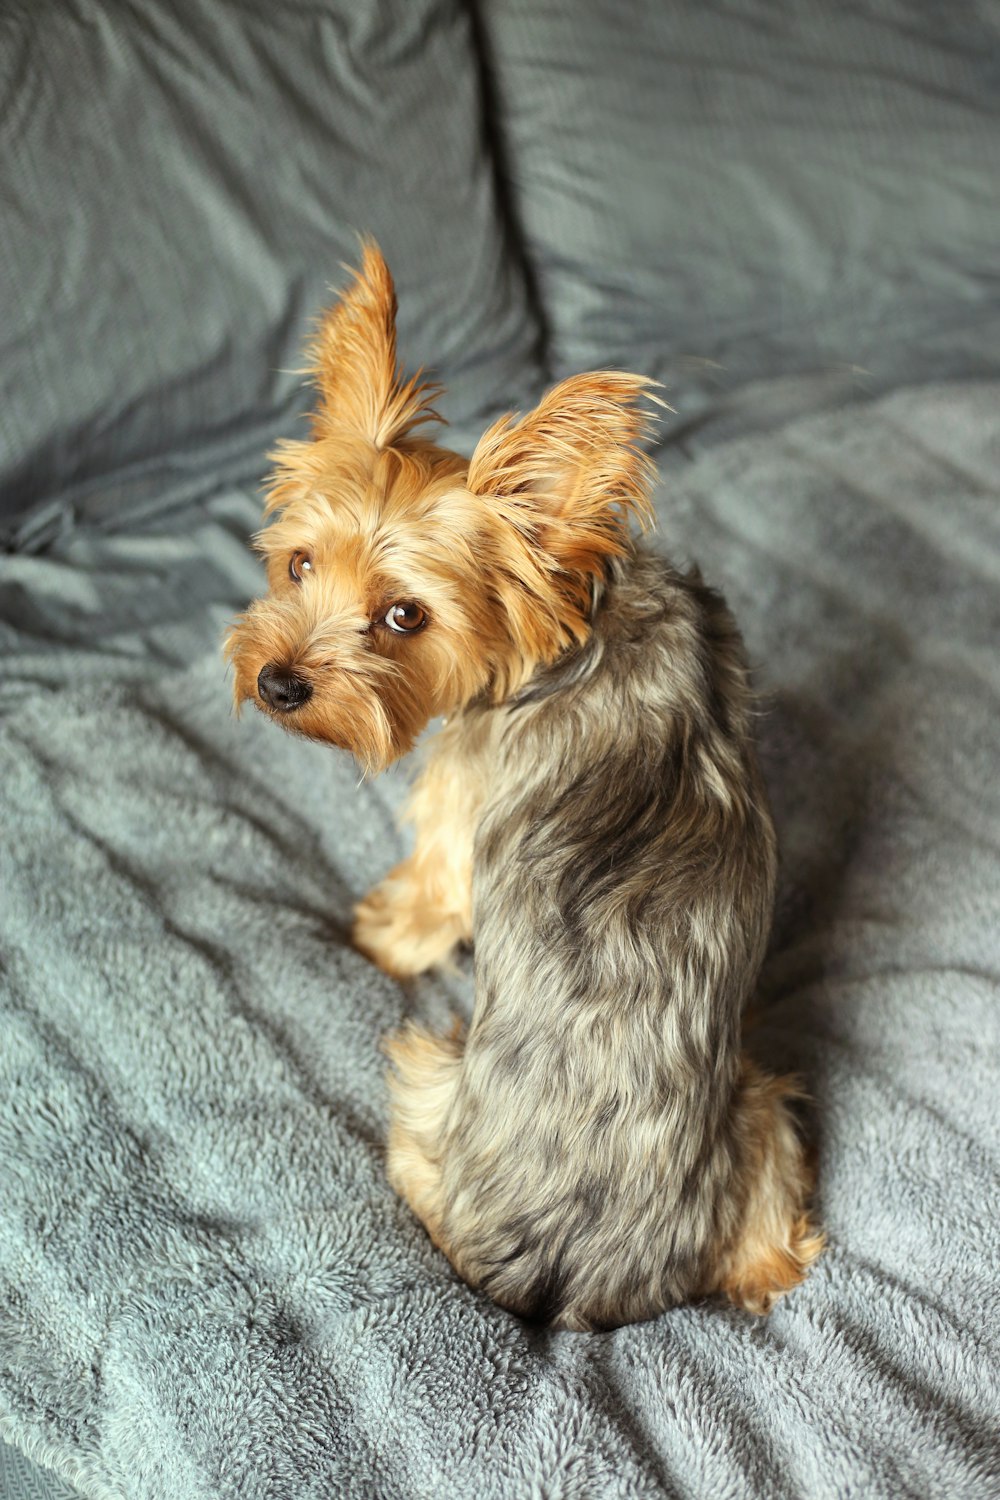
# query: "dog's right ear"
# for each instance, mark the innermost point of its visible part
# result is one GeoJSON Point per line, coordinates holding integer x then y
{"type": "Point", "coordinates": [353, 359]}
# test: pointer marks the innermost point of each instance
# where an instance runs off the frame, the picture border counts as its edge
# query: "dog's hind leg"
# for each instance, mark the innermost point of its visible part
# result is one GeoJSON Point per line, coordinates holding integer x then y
{"type": "Point", "coordinates": [776, 1242]}
{"type": "Point", "coordinates": [425, 1072]}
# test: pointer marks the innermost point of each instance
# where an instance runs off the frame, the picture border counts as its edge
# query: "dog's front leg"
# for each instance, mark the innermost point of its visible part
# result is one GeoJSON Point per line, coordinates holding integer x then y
{"type": "Point", "coordinates": [413, 919]}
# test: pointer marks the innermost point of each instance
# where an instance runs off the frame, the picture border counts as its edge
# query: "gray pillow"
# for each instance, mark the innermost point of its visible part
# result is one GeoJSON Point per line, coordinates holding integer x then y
{"type": "Point", "coordinates": [178, 186]}
{"type": "Point", "coordinates": [716, 192]}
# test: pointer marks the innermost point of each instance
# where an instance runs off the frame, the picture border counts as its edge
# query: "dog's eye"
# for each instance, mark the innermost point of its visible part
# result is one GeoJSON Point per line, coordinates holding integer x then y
{"type": "Point", "coordinates": [299, 564]}
{"type": "Point", "coordinates": [406, 617]}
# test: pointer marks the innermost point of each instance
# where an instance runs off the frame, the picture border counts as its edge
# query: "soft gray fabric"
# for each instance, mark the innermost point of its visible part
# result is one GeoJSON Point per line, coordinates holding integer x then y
{"type": "Point", "coordinates": [206, 1287]}
{"type": "Point", "coordinates": [712, 192]}
{"type": "Point", "coordinates": [179, 184]}
{"type": "Point", "coordinates": [21, 1479]}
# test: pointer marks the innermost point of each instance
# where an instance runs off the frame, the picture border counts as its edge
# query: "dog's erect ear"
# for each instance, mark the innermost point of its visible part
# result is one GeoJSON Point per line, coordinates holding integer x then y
{"type": "Point", "coordinates": [353, 359]}
{"type": "Point", "coordinates": [571, 473]}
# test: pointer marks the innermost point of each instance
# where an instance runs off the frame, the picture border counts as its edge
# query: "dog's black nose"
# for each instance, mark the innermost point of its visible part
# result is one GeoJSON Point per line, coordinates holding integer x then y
{"type": "Point", "coordinates": [281, 690]}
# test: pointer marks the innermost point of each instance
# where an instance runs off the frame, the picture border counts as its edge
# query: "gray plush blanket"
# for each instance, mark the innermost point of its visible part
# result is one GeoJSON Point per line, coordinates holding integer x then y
{"type": "Point", "coordinates": [207, 1288]}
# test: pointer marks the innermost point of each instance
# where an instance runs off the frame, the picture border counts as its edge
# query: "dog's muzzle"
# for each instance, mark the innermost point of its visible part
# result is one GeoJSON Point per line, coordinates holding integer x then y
{"type": "Point", "coordinates": [281, 690]}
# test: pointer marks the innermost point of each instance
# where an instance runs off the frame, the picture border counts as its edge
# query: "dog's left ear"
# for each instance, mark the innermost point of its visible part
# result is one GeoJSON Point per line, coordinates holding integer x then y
{"type": "Point", "coordinates": [571, 473]}
{"type": "Point", "coordinates": [353, 358]}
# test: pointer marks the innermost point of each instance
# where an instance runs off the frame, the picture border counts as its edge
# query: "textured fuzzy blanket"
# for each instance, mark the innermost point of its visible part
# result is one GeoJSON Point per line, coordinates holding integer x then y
{"type": "Point", "coordinates": [206, 1287]}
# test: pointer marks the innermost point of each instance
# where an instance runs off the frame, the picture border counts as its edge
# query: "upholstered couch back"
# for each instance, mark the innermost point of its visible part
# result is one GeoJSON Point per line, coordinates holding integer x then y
{"type": "Point", "coordinates": [710, 194]}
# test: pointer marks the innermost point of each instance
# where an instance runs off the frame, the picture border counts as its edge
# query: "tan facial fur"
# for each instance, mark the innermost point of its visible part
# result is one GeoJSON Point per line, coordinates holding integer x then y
{"type": "Point", "coordinates": [597, 1147]}
{"type": "Point", "coordinates": [499, 553]}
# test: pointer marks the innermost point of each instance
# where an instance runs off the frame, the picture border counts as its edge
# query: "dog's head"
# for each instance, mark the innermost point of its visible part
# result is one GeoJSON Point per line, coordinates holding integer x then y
{"type": "Point", "coordinates": [404, 580]}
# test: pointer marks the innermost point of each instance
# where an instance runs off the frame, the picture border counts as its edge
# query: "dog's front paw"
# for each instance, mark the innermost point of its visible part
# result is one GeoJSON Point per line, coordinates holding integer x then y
{"type": "Point", "coordinates": [401, 931]}
{"type": "Point", "coordinates": [372, 929]}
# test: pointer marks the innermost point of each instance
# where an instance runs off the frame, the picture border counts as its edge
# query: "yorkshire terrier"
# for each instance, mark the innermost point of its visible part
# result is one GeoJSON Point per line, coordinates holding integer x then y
{"type": "Point", "coordinates": [597, 1147]}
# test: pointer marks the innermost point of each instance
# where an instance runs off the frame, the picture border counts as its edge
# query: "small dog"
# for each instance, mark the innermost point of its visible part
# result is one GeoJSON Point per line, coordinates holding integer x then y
{"type": "Point", "coordinates": [597, 1148]}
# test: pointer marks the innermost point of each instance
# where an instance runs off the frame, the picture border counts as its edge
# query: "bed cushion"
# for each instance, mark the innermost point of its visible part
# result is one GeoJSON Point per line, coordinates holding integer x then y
{"type": "Point", "coordinates": [711, 192]}
{"type": "Point", "coordinates": [180, 184]}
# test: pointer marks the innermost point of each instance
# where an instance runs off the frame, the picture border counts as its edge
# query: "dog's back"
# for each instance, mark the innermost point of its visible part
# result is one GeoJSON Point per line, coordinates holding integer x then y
{"type": "Point", "coordinates": [599, 1141]}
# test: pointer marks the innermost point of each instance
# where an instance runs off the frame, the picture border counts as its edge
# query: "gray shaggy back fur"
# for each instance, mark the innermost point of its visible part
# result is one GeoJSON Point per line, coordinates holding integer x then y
{"type": "Point", "coordinates": [623, 883]}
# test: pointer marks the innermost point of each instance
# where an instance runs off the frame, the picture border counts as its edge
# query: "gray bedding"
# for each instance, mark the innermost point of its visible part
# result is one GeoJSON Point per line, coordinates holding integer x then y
{"type": "Point", "coordinates": [789, 211]}
{"type": "Point", "coordinates": [179, 185]}
{"type": "Point", "coordinates": [712, 193]}
{"type": "Point", "coordinates": [207, 1287]}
